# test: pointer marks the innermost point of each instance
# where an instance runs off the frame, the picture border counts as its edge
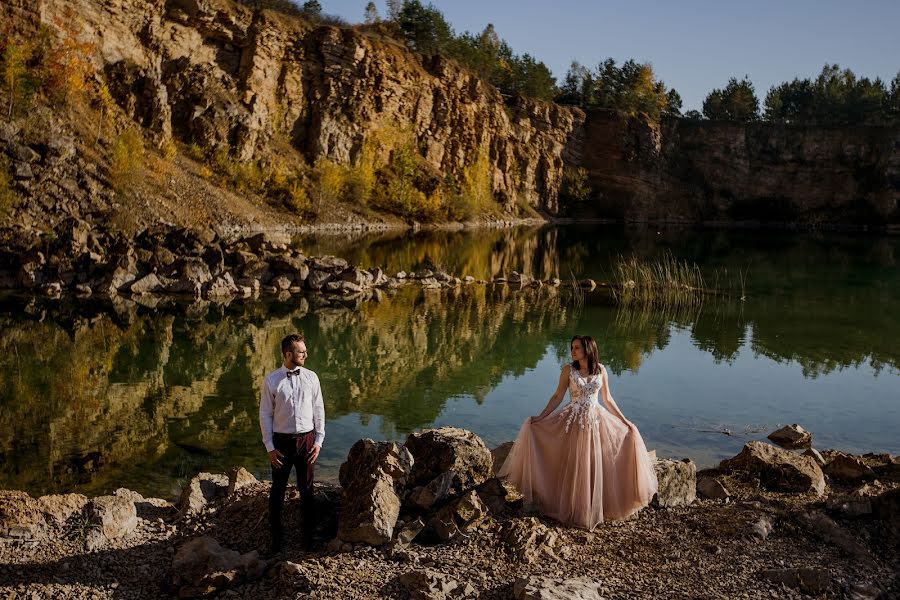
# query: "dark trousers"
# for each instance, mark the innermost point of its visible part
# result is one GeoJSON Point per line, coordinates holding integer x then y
{"type": "Point", "coordinates": [296, 449]}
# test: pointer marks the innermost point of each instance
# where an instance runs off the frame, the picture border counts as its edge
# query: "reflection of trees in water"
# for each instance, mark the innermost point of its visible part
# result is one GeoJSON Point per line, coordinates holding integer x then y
{"type": "Point", "coordinates": [394, 360]}
{"type": "Point", "coordinates": [86, 393]}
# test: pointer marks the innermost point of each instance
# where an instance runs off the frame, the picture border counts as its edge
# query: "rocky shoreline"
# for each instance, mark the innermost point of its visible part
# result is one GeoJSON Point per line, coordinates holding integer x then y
{"type": "Point", "coordinates": [170, 262]}
{"type": "Point", "coordinates": [429, 519]}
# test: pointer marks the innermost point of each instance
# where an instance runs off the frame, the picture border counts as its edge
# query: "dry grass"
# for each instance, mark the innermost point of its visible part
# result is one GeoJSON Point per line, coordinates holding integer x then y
{"type": "Point", "coordinates": [670, 282]}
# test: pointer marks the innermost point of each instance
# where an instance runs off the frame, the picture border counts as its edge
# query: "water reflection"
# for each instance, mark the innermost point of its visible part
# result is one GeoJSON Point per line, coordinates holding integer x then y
{"type": "Point", "coordinates": [95, 397]}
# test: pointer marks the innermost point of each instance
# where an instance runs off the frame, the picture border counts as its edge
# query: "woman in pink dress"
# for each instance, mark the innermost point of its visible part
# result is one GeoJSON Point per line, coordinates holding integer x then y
{"type": "Point", "coordinates": [587, 463]}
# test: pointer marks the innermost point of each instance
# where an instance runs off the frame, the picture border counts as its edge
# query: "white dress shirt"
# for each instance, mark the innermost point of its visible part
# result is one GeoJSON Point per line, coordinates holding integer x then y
{"type": "Point", "coordinates": [291, 404]}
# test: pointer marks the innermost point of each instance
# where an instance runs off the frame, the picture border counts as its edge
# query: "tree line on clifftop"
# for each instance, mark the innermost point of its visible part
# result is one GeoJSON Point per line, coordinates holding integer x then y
{"type": "Point", "coordinates": [835, 97]}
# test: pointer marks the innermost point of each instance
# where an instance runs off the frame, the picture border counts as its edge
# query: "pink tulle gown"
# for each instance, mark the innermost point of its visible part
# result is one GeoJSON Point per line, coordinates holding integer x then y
{"type": "Point", "coordinates": [582, 465]}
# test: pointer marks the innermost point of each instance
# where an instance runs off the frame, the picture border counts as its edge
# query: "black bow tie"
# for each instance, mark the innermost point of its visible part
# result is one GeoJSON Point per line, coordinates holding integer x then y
{"type": "Point", "coordinates": [297, 373]}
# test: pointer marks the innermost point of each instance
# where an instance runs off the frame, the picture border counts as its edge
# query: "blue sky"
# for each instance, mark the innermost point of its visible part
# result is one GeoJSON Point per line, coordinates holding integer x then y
{"type": "Point", "coordinates": [694, 45]}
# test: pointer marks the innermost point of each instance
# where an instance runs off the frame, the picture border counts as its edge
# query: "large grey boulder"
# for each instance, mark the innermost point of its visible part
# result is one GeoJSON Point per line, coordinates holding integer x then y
{"type": "Point", "coordinates": [677, 482]}
{"type": "Point", "coordinates": [202, 567]}
{"type": "Point", "coordinates": [546, 588]}
{"type": "Point", "coordinates": [458, 459]}
{"type": "Point", "coordinates": [777, 469]}
{"type": "Point", "coordinates": [371, 479]}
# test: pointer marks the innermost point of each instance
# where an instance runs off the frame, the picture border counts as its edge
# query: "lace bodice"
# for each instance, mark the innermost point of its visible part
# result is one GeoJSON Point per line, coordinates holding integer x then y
{"type": "Point", "coordinates": [584, 392]}
{"type": "Point", "coordinates": [584, 389]}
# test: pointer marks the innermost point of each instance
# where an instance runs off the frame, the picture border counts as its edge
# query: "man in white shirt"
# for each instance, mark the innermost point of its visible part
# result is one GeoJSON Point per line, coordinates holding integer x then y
{"type": "Point", "coordinates": [292, 421]}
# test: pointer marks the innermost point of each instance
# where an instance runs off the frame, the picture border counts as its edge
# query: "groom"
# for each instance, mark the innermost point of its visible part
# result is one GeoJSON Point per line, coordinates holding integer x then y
{"type": "Point", "coordinates": [292, 420]}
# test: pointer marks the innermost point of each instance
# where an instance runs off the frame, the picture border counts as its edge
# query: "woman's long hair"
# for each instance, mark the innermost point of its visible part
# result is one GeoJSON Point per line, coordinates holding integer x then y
{"type": "Point", "coordinates": [590, 353]}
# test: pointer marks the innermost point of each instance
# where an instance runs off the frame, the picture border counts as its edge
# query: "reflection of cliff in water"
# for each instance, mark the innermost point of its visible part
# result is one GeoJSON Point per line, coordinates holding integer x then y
{"type": "Point", "coordinates": [86, 400]}
{"type": "Point", "coordinates": [94, 398]}
{"type": "Point", "coordinates": [481, 253]}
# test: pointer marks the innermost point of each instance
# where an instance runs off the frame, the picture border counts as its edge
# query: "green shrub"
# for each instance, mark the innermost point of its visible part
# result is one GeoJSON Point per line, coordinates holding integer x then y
{"type": "Point", "coordinates": [575, 186]}
{"type": "Point", "coordinates": [125, 164]}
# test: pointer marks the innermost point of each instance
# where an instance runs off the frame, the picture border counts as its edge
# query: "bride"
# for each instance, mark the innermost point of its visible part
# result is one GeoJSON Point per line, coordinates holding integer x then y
{"type": "Point", "coordinates": [587, 463]}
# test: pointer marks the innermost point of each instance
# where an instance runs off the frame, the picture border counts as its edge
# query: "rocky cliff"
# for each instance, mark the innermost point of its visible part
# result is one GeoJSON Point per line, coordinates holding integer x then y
{"type": "Point", "coordinates": [684, 170]}
{"type": "Point", "coordinates": [260, 83]}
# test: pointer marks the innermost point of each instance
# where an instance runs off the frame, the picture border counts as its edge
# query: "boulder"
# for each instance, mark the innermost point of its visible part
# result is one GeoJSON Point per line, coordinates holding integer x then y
{"type": "Point", "coordinates": [528, 539]}
{"type": "Point", "coordinates": [712, 489]}
{"type": "Point", "coordinates": [239, 477]}
{"type": "Point", "coordinates": [331, 264]}
{"type": "Point", "coordinates": [201, 490]}
{"type": "Point", "coordinates": [57, 508]}
{"type": "Point", "coordinates": [20, 516]}
{"type": "Point", "coordinates": [815, 455]}
{"type": "Point", "coordinates": [115, 516]}
{"type": "Point", "coordinates": [371, 478]}
{"type": "Point", "coordinates": [288, 264]}
{"type": "Point", "coordinates": [428, 584]}
{"type": "Point", "coordinates": [317, 278]}
{"type": "Point", "coordinates": [546, 588]}
{"type": "Point", "coordinates": [792, 436]}
{"type": "Point", "coordinates": [499, 454]}
{"type": "Point", "coordinates": [778, 469]}
{"type": "Point", "coordinates": [345, 288]}
{"type": "Point", "coordinates": [677, 481]}
{"type": "Point", "coordinates": [461, 515]}
{"type": "Point", "coordinates": [451, 450]}
{"type": "Point", "coordinates": [810, 580]}
{"type": "Point", "coordinates": [202, 567]}
{"type": "Point", "coordinates": [496, 495]}
{"type": "Point", "coordinates": [147, 284]}
{"type": "Point", "coordinates": [222, 286]}
{"type": "Point", "coordinates": [358, 277]}
{"type": "Point", "coordinates": [848, 468]}
{"type": "Point", "coordinates": [409, 531]}
{"type": "Point", "coordinates": [761, 528]}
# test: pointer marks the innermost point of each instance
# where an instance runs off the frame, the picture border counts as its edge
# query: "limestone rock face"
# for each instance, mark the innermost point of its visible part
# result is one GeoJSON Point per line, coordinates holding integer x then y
{"type": "Point", "coordinates": [456, 457]}
{"type": "Point", "coordinates": [778, 469]}
{"type": "Point", "coordinates": [371, 478]}
{"type": "Point", "coordinates": [223, 75]}
{"type": "Point", "coordinates": [687, 170]}
{"type": "Point", "coordinates": [677, 481]}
